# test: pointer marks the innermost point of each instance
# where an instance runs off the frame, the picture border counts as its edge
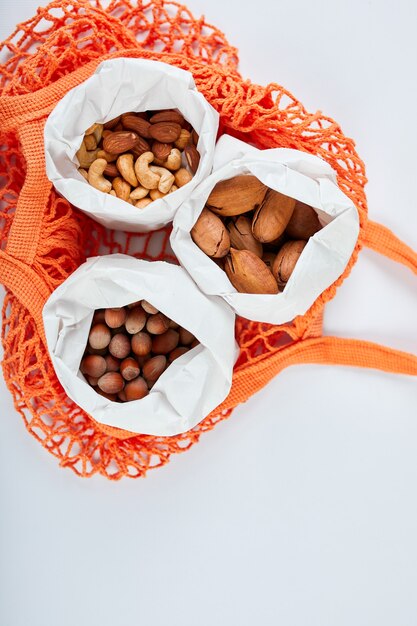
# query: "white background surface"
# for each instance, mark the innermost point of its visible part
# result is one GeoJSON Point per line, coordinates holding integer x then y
{"type": "Point", "coordinates": [301, 509]}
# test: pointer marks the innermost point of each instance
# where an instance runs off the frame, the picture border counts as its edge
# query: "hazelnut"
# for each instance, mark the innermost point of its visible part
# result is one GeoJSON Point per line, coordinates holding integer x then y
{"type": "Point", "coordinates": [141, 344]}
{"type": "Point", "coordinates": [177, 352]}
{"type": "Point", "coordinates": [119, 346]}
{"type": "Point", "coordinates": [165, 343]}
{"type": "Point", "coordinates": [99, 336]}
{"type": "Point", "coordinates": [154, 367]}
{"type": "Point", "coordinates": [135, 320]}
{"type": "Point", "coordinates": [115, 318]}
{"type": "Point", "coordinates": [136, 389]}
{"type": "Point", "coordinates": [157, 324]}
{"type": "Point", "coordinates": [129, 368]}
{"type": "Point", "coordinates": [186, 337]}
{"type": "Point", "coordinates": [111, 382]}
{"type": "Point", "coordinates": [148, 307]}
{"type": "Point", "coordinates": [93, 365]}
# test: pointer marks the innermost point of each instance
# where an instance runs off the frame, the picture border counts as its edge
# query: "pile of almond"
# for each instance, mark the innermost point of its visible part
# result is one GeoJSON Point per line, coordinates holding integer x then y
{"type": "Point", "coordinates": [129, 348]}
{"type": "Point", "coordinates": [140, 157]}
{"type": "Point", "coordinates": [254, 233]}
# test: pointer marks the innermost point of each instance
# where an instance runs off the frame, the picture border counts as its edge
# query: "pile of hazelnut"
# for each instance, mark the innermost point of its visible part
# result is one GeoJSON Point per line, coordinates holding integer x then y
{"type": "Point", "coordinates": [129, 348]}
{"type": "Point", "coordinates": [140, 157]}
{"type": "Point", "coordinates": [254, 233]}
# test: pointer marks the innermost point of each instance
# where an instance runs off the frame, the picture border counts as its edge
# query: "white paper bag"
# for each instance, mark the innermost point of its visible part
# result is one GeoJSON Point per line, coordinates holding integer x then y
{"type": "Point", "coordinates": [296, 174]}
{"type": "Point", "coordinates": [119, 86]}
{"type": "Point", "coordinates": [192, 386]}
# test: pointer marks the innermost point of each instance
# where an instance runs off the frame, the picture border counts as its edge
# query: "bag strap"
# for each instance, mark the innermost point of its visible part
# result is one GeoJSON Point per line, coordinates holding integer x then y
{"type": "Point", "coordinates": [382, 240]}
{"type": "Point", "coordinates": [333, 350]}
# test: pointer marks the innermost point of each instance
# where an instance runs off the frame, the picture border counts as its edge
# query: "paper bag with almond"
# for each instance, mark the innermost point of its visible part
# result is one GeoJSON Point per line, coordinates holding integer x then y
{"type": "Point", "coordinates": [129, 144]}
{"type": "Point", "coordinates": [268, 231]}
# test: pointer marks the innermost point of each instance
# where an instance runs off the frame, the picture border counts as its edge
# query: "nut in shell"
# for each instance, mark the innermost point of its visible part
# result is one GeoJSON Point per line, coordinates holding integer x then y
{"type": "Point", "coordinates": [210, 235]}
{"type": "Point", "coordinates": [286, 260]}
{"type": "Point", "coordinates": [249, 274]}
{"type": "Point", "coordinates": [304, 222]}
{"type": "Point", "coordinates": [236, 195]}
{"type": "Point", "coordinates": [272, 216]}
{"type": "Point", "coordinates": [241, 236]}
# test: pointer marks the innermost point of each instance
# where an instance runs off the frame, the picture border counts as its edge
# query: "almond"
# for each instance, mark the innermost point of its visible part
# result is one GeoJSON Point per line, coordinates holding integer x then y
{"type": "Point", "coordinates": [161, 150]}
{"type": "Point", "coordinates": [249, 274]}
{"type": "Point", "coordinates": [140, 125]}
{"type": "Point", "coordinates": [165, 132]}
{"type": "Point", "coordinates": [241, 237]}
{"type": "Point", "coordinates": [236, 195]}
{"type": "Point", "coordinates": [120, 141]}
{"type": "Point", "coordinates": [272, 217]}
{"type": "Point", "coordinates": [112, 123]}
{"type": "Point", "coordinates": [286, 260]}
{"type": "Point", "coordinates": [304, 222]}
{"type": "Point", "coordinates": [141, 147]}
{"type": "Point", "coordinates": [111, 382]}
{"type": "Point", "coordinates": [111, 170]}
{"type": "Point", "coordinates": [192, 156]}
{"type": "Point", "coordinates": [169, 115]}
{"type": "Point", "coordinates": [210, 235]}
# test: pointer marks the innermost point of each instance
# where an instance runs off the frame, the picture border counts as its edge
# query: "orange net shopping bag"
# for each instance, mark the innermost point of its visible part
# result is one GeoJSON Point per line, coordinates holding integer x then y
{"type": "Point", "coordinates": [44, 239]}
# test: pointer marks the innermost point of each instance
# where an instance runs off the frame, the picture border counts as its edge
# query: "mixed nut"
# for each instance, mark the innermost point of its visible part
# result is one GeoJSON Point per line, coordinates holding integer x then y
{"type": "Point", "coordinates": [139, 157]}
{"type": "Point", "coordinates": [254, 233]}
{"type": "Point", "coordinates": [129, 348]}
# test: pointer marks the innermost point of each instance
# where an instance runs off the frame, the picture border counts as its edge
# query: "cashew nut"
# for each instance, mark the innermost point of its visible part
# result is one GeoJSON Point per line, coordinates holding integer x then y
{"type": "Point", "coordinates": [85, 158]}
{"type": "Point", "coordinates": [90, 142]}
{"type": "Point", "coordinates": [183, 140]}
{"type": "Point", "coordinates": [102, 154]}
{"type": "Point", "coordinates": [139, 193]}
{"type": "Point", "coordinates": [122, 188]}
{"type": "Point", "coordinates": [166, 179]}
{"type": "Point", "coordinates": [92, 128]}
{"type": "Point", "coordinates": [125, 167]}
{"type": "Point", "coordinates": [147, 179]}
{"type": "Point", "coordinates": [173, 188]}
{"type": "Point", "coordinates": [98, 132]}
{"type": "Point", "coordinates": [141, 204]}
{"type": "Point", "coordinates": [173, 161]}
{"type": "Point", "coordinates": [155, 194]}
{"type": "Point", "coordinates": [182, 177]}
{"type": "Point", "coordinates": [112, 193]}
{"type": "Point", "coordinates": [83, 173]}
{"type": "Point", "coordinates": [96, 178]}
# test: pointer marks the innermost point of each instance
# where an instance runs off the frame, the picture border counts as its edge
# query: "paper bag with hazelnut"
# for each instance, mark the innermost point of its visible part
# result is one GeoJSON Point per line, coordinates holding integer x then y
{"type": "Point", "coordinates": [268, 231]}
{"type": "Point", "coordinates": [129, 144]}
{"type": "Point", "coordinates": [138, 346]}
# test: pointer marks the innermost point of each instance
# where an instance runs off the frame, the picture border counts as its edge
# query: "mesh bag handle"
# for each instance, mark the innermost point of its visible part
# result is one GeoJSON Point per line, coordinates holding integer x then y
{"type": "Point", "coordinates": [328, 350]}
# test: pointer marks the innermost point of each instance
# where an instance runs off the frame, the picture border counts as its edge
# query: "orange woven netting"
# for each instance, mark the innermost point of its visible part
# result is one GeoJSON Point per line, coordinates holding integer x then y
{"type": "Point", "coordinates": [43, 239]}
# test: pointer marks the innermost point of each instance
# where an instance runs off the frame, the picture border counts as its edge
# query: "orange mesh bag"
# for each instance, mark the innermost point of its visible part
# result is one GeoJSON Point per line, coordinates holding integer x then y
{"type": "Point", "coordinates": [43, 239]}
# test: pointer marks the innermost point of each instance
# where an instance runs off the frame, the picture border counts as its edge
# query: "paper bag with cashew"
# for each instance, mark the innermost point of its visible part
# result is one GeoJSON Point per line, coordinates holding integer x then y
{"type": "Point", "coordinates": [193, 384]}
{"type": "Point", "coordinates": [128, 169]}
{"type": "Point", "coordinates": [268, 231]}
